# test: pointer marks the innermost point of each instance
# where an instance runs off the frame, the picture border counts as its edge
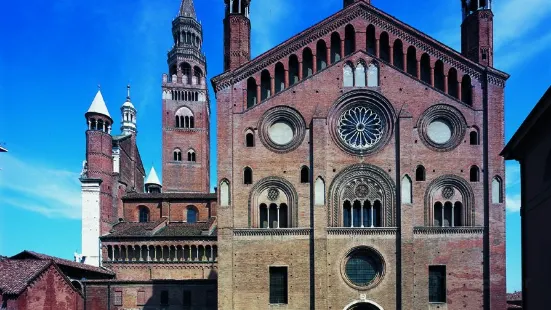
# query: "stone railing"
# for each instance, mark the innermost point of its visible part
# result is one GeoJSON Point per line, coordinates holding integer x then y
{"type": "Point", "coordinates": [368, 231]}
{"type": "Point", "coordinates": [448, 230]}
{"type": "Point", "coordinates": [248, 232]}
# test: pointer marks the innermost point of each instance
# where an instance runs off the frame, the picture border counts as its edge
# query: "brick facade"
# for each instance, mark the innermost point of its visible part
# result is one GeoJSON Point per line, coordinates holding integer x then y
{"type": "Point", "coordinates": [316, 246]}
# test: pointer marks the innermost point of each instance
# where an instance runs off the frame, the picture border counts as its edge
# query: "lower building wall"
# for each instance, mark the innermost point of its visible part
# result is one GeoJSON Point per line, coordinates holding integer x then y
{"type": "Point", "coordinates": [149, 296]}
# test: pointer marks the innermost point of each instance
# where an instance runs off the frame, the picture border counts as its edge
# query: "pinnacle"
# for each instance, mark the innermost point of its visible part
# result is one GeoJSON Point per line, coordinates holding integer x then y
{"type": "Point", "coordinates": [187, 9]}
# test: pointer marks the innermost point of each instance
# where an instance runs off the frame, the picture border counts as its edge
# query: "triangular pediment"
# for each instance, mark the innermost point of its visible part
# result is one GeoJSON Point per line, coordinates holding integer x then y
{"type": "Point", "coordinates": [369, 15]}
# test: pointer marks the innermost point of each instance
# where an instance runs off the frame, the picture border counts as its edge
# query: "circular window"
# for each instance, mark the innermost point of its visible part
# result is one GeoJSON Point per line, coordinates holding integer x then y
{"type": "Point", "coordinates": [363, 268]}
{"type": "Point", "coordinates": [361, 128]}
{"type": "Point", "coordinates": [361, 122]}
{"type": "Point", "coordinates": [439, 131]}
{"type": "Point", "coordinates": [442, 127]}
{"type": "Point", "coordinates": [281, 133]}
{"type": "Point", "coordinates": [282, 129]}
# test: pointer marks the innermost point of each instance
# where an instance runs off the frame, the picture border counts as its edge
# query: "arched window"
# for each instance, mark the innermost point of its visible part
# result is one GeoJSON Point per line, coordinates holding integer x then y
{"type": "Point", "coordinates": [319, 192]}
{"type": "Point", "coordinates": [191, 216]}
{"type": "Point", "coordinates": [475, 174]}
{"type": "Point", "coordinates": [264, 210]}
{"type": "Point", "coordinates": [466, 90]}
{"type": "Point", "coordinates": [359, 75]}
{"type": "Point", "coordinates": [439, 78]}
{"type": "Point", "coordinates": [371, 40]}
{"type": "Point", "coordinates": [251, 92]}
{"type": "Point", "coordinates": [398, 56]}
{"type": "Point", "coordinates": [335, 47]}
{"type": "Point", "coordinates": [248, 176]}
{"type": "Point", "coordinates": [177, 155]}
{"type": "Point", "coordinates": [497, 190]}
{"type": "Point", "coordinates": [184, 118]}
{"type": "Point", "coordinates": [457, 212]}
{"type": "Point", "coordinates": [438, 214]}
{"type": "Point", "coordinates": [293, 70]}
{"type": "Point", "coordinates": [143, 214]}
{"type": "Point", "coordinates": [265, 85]}
{"type": "Point", "coordinates": [321, 55]}
{"type": "Point", "coordinates": [373, 75]}
{"type": "Point", "coordinates": [279, 77]}
{"type": "Point", "coordinates": [473, 137]}
{"type": "Point", "coordinates": [452, 83]}
{"type": "Point", "coordinates": [348, 76]}
{"type": "Point", "coordinates": [191, 156]}
{"type": "Point", "coordinates": [406, 190]}
{"type": "Point", "coordinates": [225, 193]}
{"type": "Point", "coordinates": [249, 139]}
{"type": "Point", "coordinates": [420, 174]}
{"type": "Point", "coordinates": [186, 72]}
{"type": "Point", "coordinates": [412, 61]}
{"type": "Point", "coordinates": [347, 214]}
{"type": "Point", "coordinates": [349, 40]}
{"type": "Point", "coordinates": [304, 175]}
{"type": "Point", "coordinates": [307, 63]}
{"type": "Point", "coordinates": [384, 47]}
{"type": "Point", "coordinates": [425, 68]}
{"type": "Point", "coordinates": [198, 74]}
{"type": "Point", "coordinates": [100, 125]}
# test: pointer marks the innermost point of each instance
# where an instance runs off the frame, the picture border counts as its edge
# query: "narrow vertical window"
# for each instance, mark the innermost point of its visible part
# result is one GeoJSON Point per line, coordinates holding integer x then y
{"type": "Point", "coordinates": [279, 77]}
{"type": "Point", "coordinates": [497, 190]}
{"type": "Point", "coordinates": [117, 300]}
{"type": "Point", "coordinates": [144, 214]}
{"type": "Point", "coordinates": [406, 190]}
{"type": "Point", "coordinates": [278, 285]}
{"type": "Point", "coordinates": [425, 68]}
{"type": "Point", "coordinates": [191, 215]}
{"type": "Point", "coordinates": [293, 70]}
{"type": "Point", "coordinates": [475, 174]}
{"type": "Point", "coordinates": [437, 284]}
{"type": "Point", "coordinates": [359, 75]}
{"type": "Point", "coordinates": [349, 40]}
{"type": "Point", "coordinates": [473, 138]}
{"type": "Point", "coordinates": [319, 192]}
{"type": "Point", "coordinates": [307, 63]}
{"type": "Point", "coordinates": [251, 92]}
{"type": "Point", "coordinates": [373, 75]}
{"type": "Point", "coordinates": [420, 173]}
{"type": "Point", "coordinates": [265, 85]}
{"type": "Point", "coordinates": [348, 76]}
{"type": "Point", "coordinates": [335, 47]}
{"type": "Point", "coordinates": [321, 55]}
{"type": "Point", "coordinates": [249, 139]}
{"type": "Point", "coordinates": [225, 193]}
{"type": "Point", "coordinates": [304, 175]}
{"type": "Point", "coordinates": [248, 176]}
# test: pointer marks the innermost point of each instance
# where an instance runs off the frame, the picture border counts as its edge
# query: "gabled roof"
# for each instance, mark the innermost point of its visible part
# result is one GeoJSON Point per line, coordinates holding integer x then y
{"type": "Point", "coordinates": [541, 114]}
{"type": "Point", "coordinates": [17, 274]}
{"type": "Point", "coordinates": [187, 9]}
{"type": "Point", "coordinates": [60, 261]}
{"type": "Point", "coordinates": [98, 105]}
{"type": "Point", "coordinates": [152, 177]}
{"type": "Point", "coordinates": [390, 24]}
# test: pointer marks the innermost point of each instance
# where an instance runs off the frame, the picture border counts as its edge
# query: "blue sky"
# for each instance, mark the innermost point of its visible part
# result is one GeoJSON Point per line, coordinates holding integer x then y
{"type": "Point", "coordinates": [53, 54]}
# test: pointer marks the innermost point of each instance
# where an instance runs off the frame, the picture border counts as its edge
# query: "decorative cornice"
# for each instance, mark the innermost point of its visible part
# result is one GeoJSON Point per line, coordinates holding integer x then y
{"type": "Point", "coordinates": [472, 230]}
{"type": "Point", "coordinates": [378, 18]}
{"type": "Point", "coordinates": [272, 232]}
{"type": "Point", "coordinates": [368, 231]}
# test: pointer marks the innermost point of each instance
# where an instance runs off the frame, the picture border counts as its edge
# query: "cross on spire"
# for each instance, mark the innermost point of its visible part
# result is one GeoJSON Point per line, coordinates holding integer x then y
{"type": "Point", "coordinates": [187, 9]}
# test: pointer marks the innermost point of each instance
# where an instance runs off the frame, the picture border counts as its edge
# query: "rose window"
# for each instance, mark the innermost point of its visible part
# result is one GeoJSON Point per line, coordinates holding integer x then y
{"type": "Point", "coordinates": [360, 128]}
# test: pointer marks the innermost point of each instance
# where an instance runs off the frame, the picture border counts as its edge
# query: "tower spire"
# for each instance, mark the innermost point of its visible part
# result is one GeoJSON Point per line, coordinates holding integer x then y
{"type": "Point", "coordinates": [187, 9]}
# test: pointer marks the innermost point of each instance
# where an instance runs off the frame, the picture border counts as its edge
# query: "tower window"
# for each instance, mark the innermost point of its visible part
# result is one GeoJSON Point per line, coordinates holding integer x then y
{"type": "Point", "coordinates": [437, 284]}
{"type": "Point", "coordinates": [278, 285]}
{"type": "Point", "coordinates": [420, 174]}
{"type": "Point", "coordinates": [177, 155]}
{"type": "Point", "coordinates": [248, 176]}
{"type": "Point", "coordinates": [191, 156]}
{"type": "Point", "coordinates": [304, 175]}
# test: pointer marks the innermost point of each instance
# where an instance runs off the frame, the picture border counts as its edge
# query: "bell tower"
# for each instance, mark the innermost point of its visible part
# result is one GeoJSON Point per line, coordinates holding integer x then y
{"type": "Point", "coordinates": [477, 31]}
{"type": "Point", "coordinates": [186, 111]}
{"type": "Point", "coordinates": [237, 34]}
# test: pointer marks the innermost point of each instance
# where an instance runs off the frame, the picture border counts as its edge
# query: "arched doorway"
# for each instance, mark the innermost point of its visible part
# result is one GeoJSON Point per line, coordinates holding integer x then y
{"type": "Point", "coordinates": [363, 305]}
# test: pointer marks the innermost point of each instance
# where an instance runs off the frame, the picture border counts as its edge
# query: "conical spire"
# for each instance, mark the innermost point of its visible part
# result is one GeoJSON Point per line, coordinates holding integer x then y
{"type": "Point", "coordinates": [187, 9]}
{"type": "Point", "coordinates": [98, 105]}
{"type": "Point", "coordinates": [152, 178]}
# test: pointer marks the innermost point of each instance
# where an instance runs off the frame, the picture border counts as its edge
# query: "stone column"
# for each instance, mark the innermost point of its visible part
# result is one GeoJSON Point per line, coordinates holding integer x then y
{"type": "Point", "coordinates": [377, 48]}
{"type": "Point", "coordinates": [286, 78]}
{"type": "Point", "coordinates": [432, 76]}
{"type": "Point", "coordinates": [300, 71]}
{"type": "Point", "coordinates": [272, 86]}
{"type": "Point", "coordinates": [258, 93]}
{"type": "Point", "coordinates": [314, 64]}
{"type": "Point", "coordinates": [446, 83]}
{"type": "Point", "coordinates": [391, 56]}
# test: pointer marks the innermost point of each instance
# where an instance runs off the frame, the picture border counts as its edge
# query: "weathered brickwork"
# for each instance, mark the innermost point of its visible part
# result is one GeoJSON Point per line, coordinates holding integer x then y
{"type": "Point", "coordinates": [473, 252]}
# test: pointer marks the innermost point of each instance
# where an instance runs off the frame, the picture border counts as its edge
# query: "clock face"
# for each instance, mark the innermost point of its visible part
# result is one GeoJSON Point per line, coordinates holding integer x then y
{"type": "Point", "coordinates": [361, 128]}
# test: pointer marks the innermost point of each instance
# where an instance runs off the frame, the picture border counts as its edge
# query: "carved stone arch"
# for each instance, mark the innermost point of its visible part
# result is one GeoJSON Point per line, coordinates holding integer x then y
{"type": "Point", "coordinates": [379, 187]}
{"type": "Point", "coordinates": [284, 187]}
{"type": "Point", "coordinates": [461, 191]}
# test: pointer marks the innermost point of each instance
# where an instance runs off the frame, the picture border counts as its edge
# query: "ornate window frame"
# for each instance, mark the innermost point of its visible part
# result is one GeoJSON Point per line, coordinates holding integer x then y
{"type": "Point", "coordinates": [370, 251]}
{"type": "Point", "coordinates": [289, 115]}
{"type": "Point", "coordinates": [457, 183]}
{"type": "Point", "coordinates": [455, 119]}
{"type": "Point", "coordinates": [282, 185]}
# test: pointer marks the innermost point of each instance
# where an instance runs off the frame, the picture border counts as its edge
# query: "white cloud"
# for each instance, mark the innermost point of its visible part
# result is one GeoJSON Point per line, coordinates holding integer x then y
{"type": "Point", "coordinates": [513, 203]}
{"type": "Point", "coordinates": [36, 187]}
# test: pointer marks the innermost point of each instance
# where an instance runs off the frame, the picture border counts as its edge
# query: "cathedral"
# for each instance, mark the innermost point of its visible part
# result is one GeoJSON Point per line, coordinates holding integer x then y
{"type": "Point", "coordinates": [358, 168]}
